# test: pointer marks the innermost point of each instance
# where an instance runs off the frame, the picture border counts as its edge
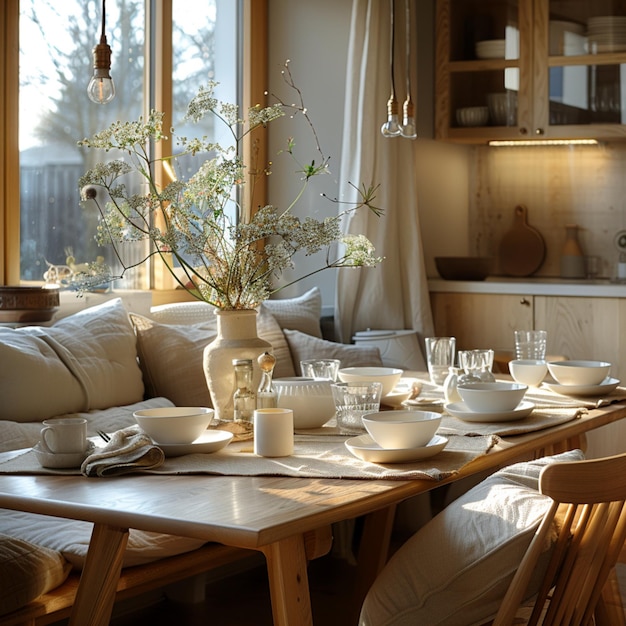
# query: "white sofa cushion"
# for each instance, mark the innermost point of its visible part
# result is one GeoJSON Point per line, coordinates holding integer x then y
{"type": "Point", "coordinates": [301, 313]}
{"type": "Point", "coordinates": [27, 571]}
{"type": "Point", "coordinates": [457, 568]}
{"type": "Point", "coordinates": [303, 347]}
{"type": "Point", "coordinates": [85, 361]}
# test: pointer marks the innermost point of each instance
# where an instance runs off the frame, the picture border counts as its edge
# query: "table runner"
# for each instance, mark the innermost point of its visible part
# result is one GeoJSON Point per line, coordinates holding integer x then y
{"type": "Point", "coordinates": [324, 456]}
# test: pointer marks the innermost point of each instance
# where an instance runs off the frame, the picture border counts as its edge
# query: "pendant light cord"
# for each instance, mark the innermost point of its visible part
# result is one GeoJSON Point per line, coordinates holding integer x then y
{"type": "Point", "coordinates": [102, 34]}
{"type": "Point", "coordinates": [392, 49]}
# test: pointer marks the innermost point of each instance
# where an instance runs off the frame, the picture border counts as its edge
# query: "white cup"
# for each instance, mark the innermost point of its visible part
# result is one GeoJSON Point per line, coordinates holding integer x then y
{"type": "Point", "coordinates": [64, 435]}
{"type": "Point", "coordinates": [273, 432]}
{"type": "Point", "coordinates": [529, 372]}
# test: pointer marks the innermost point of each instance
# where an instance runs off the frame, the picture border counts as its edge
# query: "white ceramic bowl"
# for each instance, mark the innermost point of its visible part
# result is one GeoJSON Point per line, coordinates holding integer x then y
{"type": "Point", "coordinates": [472, 116]}
{"type": "Point", "coordinates": [496, 397]}
{"type": "Point", "coordinates": [181, 424]}
{"type": "Point", "coordinates": [387, 376]}
{"type": "Point", "coordinates": [579, 372]}
{"type": "Point", "coordinates": [398, 430]}
{"type": "Point", "coordinates": [310, 400]}
{"type": "Point", "coordinates": [529, 372]}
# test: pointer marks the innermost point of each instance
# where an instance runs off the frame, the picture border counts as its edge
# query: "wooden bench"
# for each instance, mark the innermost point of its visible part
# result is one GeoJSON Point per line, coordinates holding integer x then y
{"type": "Point", "coordinates": [134, 581]}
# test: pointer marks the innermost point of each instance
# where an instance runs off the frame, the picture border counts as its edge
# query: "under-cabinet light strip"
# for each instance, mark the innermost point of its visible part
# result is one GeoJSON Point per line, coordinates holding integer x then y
{"type": "Point", "coordinates": [543, 142]}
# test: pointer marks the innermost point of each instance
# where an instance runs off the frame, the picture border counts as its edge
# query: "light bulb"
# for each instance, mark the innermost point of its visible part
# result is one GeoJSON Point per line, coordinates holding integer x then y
{"type": "Point", "coordinates": [409, 129]}
{"type": "Point", "coordinates": [391, 128]}
{"type": "Point", "coordinates": [101, 88]}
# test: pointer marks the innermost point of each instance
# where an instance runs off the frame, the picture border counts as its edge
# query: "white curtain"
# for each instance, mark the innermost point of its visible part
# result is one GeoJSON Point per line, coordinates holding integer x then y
{"type": "Point", "coordinates": [393, 295]}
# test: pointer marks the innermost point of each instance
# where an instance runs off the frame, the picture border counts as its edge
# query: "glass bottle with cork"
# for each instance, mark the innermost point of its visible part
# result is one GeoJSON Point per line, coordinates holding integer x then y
{"type": "Point", "coordinates": [267, 398]}
{"type": "Point", "coordinates": [244, 398]}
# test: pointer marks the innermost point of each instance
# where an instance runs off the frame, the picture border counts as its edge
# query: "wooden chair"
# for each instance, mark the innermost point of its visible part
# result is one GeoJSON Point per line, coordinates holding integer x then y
{"type": "Point", "coordinates": [589, 508]}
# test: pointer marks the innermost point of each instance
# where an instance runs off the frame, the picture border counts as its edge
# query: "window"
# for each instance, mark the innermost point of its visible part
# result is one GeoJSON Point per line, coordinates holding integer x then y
{"type": "Point", "coordinates": [161, 52]}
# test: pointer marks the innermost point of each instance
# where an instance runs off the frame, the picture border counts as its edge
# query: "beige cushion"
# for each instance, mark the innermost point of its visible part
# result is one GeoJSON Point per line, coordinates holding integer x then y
{"type": "Point", "coordinates": [302, 313]}
{"type": "Point", "coordinates": [457, 568]}
{"type": "Point", "coordinates": [170, 356]}
{"type": "Point", "coordinates": [304, 347]}
{"type": "Point", "coordinates": [184, 313]}
{"type": "Point", "coordinates": [27, 571]}
{"type": "Point", "coordinates": [85, 361]}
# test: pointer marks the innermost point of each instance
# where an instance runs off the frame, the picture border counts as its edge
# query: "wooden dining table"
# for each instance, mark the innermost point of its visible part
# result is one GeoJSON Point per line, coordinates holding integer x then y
{"type": "Point", "coordinates": [288, 519]}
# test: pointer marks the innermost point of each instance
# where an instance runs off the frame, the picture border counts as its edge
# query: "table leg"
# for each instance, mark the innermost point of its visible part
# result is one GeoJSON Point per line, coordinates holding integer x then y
{"type": "Point", "coordinates": [373, 551]}
{"type": "Point", "coordinates": [289, 582]}
{"type": "Point", "coordinates": [98, 582]}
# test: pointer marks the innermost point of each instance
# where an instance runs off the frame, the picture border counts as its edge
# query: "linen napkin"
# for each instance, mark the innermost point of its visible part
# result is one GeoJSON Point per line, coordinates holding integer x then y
{"type": "Point", "coordinates": [130, 450]}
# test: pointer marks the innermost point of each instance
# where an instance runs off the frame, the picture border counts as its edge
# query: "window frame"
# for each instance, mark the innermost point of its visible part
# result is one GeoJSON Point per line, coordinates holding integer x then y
{"type": "Point", "coordinates": [253, 80]}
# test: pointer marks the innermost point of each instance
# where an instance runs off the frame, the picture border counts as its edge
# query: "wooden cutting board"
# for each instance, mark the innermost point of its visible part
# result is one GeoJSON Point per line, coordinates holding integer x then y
{"type": "Point", "coordinates": [522, 249]}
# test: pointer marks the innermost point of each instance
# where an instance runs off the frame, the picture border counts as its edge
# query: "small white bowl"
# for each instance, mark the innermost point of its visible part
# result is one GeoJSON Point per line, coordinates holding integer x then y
{"type": "Point", "coordinates": [400, 430]}
{"type": "Point", "coordinates": [529, 372]}
{"type": "Point", "coordinates": [310, 400]}
{"type": "Point", "coordinates": [579, 372]}
{"type": "Point", "coordinates": [171, 425]}
{"type": "Point", "coordinates": [387, 376]}
{"type": "Point", "coordinates": [472, 116]}
{"type": "Point", "coordinates": [497, 397]}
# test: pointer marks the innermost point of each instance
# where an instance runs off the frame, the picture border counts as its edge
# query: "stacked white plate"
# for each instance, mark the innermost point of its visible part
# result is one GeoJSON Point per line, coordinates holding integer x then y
{"type": "Point", "coordinates": [490, 49]}
{"type": "Point", "coordinates": [606, 34]}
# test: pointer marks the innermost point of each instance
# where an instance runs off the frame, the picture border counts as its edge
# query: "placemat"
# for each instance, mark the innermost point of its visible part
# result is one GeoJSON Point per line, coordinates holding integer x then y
{"type": "Point", "coordinates": [314, 457]}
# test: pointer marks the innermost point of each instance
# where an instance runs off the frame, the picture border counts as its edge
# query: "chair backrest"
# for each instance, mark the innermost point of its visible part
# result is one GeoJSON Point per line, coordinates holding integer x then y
{"type": "Point", "coordinates": [589, 511]}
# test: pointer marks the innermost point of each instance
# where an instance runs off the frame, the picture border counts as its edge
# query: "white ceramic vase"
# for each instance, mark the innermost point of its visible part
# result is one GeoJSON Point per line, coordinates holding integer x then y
{"type": "Point", "coordinates": [236, 339]}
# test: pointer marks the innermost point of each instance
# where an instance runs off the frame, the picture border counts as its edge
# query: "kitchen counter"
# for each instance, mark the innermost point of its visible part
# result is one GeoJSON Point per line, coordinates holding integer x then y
{"type": "Point", "coordinates": [601, 288]}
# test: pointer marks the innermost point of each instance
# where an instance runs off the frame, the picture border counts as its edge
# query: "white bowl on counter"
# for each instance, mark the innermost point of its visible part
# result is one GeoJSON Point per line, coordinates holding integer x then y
{"type": "Point", "coordinates": [310, 400]}
{"type": "Point", "coordinates": [529, 372]}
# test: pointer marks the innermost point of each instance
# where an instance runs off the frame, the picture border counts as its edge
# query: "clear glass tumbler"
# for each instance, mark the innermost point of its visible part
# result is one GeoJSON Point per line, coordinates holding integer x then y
{"type": "Point", "coordinates": [531, 344]}
{"type": "Point", "coordinates": [440, 353]}
{"type": "Point", "coordinates": [352, 402]}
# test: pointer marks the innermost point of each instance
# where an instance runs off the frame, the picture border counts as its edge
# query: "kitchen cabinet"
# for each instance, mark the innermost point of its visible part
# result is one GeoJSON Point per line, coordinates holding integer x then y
{"type": "Point", "coordinates": [481, 320]}
{"type": "Point", "coordinates": [578, 328]}
{"type": "Point", "coordinates": [553, 69]}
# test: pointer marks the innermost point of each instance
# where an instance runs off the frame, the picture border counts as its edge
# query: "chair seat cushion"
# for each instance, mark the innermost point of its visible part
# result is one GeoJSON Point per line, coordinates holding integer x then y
{"type": "Point", "coordinates": [456, 569]}
{"type": "Point", "coordinates": [27, 571]}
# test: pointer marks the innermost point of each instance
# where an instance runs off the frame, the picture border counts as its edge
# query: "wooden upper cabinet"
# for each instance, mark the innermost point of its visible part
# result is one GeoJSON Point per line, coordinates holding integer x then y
{"type": "Point", "coordinates": [530, 69]}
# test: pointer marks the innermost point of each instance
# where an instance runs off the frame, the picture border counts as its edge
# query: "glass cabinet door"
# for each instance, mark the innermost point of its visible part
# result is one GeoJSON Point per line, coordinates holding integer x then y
{"type": "Point", "coordinates": [584, 66]}
{"type": "Point", "coordinates": [483, 58]}
{"type": "Point", "coordinates": [530, 69]}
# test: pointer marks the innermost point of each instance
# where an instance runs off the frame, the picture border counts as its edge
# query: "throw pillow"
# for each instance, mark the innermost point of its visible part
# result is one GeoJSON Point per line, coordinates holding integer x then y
{"type": "Point", "coordinates": [457, 568]}
{"type": "Point", "coordinates": [303, 347]}
{"type": "Point", "coordinates": [85, 361]}
{"type": "Point", "coordinates": [171, 356]}
{"type": "Point", "coordinates": [184, 313]}
{"type": "Point", "coordinates": [27, 571]}
{"type": "Point", "coordinates": [302, 313]}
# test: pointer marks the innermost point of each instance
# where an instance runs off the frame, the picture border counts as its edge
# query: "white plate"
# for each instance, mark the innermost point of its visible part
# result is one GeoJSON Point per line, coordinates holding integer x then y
{"type": "Point", "coordinates": [210, 441]}
{"type": "Point", "coordinates": [606, 386]}
{"type": "Point", "coordinates": [366, 449]}
{"type": "Point", "coordinates": [401, 392]}
{"type": "Point", "coordinates": [62, 461]}
{"type": "Point", "coordinates": [460, 410]}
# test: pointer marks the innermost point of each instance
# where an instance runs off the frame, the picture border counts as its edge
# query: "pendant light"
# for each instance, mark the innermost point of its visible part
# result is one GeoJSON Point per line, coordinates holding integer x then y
{"type": "Point", "coordinates": [408, 128]}
{"type": "Point", "coordinates": [391, 128]}
{"type": "Point", "coordinates": [101, 88]}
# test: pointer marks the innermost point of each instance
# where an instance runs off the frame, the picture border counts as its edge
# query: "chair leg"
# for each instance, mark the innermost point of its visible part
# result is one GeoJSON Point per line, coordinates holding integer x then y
{"type": "Point", "coordinates": [610, 610]}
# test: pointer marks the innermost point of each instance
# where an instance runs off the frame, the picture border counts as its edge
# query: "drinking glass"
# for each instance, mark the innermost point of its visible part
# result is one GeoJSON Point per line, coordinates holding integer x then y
{"type": "Point", "coordinates": [320, 369]}
{"type": "Point", "coordinates": [531, 344]}
{"type": "Point", "coordinates": [352, 402]}
{"type": "Point", "coordinates": [440, 353]}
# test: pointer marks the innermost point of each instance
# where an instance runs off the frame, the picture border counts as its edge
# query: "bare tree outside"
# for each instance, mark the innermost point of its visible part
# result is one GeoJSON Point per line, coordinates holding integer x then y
{"type": "Point", "coordinates": [56, 42]}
